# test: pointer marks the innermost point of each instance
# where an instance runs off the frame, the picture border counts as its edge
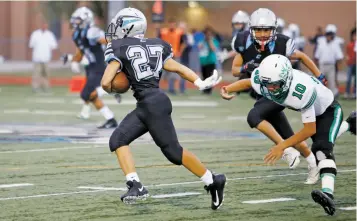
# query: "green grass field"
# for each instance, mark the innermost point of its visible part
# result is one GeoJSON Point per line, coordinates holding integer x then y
{"type": "Point", "coordinates": [43, 144]}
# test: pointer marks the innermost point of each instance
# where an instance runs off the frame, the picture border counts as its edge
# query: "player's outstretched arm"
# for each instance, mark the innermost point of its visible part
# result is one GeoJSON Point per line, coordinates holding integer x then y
{"type": "Point", "coordinates": [277, 151]}
{"type": "Point", "coordinates": [173, 66]}
{"type": "Point", "coordinates": [237, 86]}
{"type": "Point", "coordinates": [109, 74]}
{"type": "Point", "coordinates": [237, 65]}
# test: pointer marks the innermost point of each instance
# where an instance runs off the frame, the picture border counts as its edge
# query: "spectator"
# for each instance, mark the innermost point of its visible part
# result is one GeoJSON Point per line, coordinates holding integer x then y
{"type": "Point", "coordinates": [313, 40]}
{"type": "Point", "coordinates": [42, 42]}
{"type": "Point", "coordinates": [194, 53]}
{"type": "Point", "coordinates": [186, 44]}
{"type": "Point", "coordinates": [208, 57]}
{"type": "Point", "coordinates": [328, 53]}
{"type": "Point", "coordinates": [351, 62]}
{"type": "Point", "coordinates": [174, 36]}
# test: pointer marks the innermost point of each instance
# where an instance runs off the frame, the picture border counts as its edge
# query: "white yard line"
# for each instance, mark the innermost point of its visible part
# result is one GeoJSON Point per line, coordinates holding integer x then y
{"type": "Point", "coordinates": [101, 188]}
{"type": "Point", "coordinates": [137, 143]}
{"type": "Point", "coordinates": [47, 149]}
{"type": "Point", "coordinates": [161, 196]}
{"type": "Point", "coordinates": [47, 195]}
{"type": "Point", "coordinates": [126, 102]}
{"type": "Point", "coordinates": [15, 185]}
{"type": "Point", "coordinates": [268, 200]}
{"type": "Point", "coordinates": [348, 208]}
{"type": "Point", "coordinates": [192, 116]}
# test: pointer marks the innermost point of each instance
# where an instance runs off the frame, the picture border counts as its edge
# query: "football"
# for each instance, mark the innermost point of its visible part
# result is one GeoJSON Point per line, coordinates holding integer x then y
{"type": "Point", "coordinates": [120, 83]}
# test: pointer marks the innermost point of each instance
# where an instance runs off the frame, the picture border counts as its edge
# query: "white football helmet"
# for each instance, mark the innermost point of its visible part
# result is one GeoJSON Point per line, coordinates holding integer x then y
{"type": "Point", "coordinates": [128, 22]}
{"type": "Point", "coordinates": [295, 30]}
{"type": "Point", "coordinates": [276, 75]}
{"type": "Point", "coordinates": [241, 17]}
{"type": "Point", "coordinates": [280, 25]}
{"type": "Point", "coordinates": [331, 28]}
{"type": "Point", "coordinates": [263, 18]}
{"type": "Point", "coordinates": [82, 17]}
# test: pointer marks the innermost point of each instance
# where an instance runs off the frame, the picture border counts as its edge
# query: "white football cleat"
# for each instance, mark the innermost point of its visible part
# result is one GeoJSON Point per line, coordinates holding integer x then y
{"type": "Point", "coordinates": [291, 157]}
{"type": "Point", "coordinates": [83, 116]}
{"type": "Point", "coordinates": [313, 176]}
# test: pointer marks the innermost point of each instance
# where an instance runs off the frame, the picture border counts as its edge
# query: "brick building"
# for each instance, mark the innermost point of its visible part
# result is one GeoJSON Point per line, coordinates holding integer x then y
{"type": "Point", "coordinates": [19, 19]}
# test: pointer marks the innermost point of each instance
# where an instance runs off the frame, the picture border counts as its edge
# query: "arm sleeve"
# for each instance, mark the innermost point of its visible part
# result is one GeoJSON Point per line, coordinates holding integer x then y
{"type": "Point", "coordinates": [308, 115]}
{"type": "Point", "coordinates": [110, 54]}
{"type": "Point", "coordinates": [290, 47]}
{"type": "Point", "coordinates": [338, 51]}
{"type": "Point", "coordinates": [233, 43]}
{"type": "Point", "coordinates": [167, 52]}
{"type": "Point", "coordinates": [54, 41]}
{"type": "Point", "coordinates": [32, 40]}
{"type": "Point", "coordinates": [308, 110]}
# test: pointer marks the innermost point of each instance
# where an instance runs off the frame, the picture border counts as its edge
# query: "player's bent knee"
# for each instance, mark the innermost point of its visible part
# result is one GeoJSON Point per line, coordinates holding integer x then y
{"type": "Point", "coordinates": [117, 140]}
{"type": "Point", "coordinates": [173, 152]}
{"type": "Point", "coordinates": [254, 118]}
{"type": "Point", "coordinates": [93, 96]}
{"type": "Point", "coordinates": [323, 150]}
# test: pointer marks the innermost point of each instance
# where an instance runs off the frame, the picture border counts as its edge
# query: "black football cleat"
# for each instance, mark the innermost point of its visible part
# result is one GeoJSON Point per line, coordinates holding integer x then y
{"type": "Point", "coordinates": [325, 200]}
{"type": "Point", "coordinates": [136, 191]}
{"type": "Point", "coordinates": [351, 120]}
{"type": "Point", "coordinates": [216, 190]}
{"type": "Point", "coordinates": [112, 123]}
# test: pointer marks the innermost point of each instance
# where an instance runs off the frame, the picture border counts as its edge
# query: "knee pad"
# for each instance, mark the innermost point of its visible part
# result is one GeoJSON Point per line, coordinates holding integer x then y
{"type": "Point", "coordinates": [327, 166]}
{"type": "Point", "coordinates": [173, 152]}
{"type": "Point", "coordinates": [117, 140]}
{"type": "Point", "coordinates": [323, 150]}
{"type": "Point", "coordinates": [254, 118]}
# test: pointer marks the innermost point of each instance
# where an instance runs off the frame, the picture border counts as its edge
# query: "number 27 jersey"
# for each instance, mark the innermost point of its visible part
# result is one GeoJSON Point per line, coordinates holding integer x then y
{"type": "Point", "coordinates": [306, 94]}
{"type": "Point", "coordinates": [141, 59]}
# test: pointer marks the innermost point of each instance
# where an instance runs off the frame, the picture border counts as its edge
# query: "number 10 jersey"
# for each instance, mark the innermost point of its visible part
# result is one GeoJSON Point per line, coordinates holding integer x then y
{"type": "Point", "coordinates": [141, 59]}
{"type": "Point", "coordinates": [306, 94]}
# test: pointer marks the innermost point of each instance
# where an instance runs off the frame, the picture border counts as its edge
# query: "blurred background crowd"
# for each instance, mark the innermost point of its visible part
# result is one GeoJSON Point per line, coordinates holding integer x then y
{"type": "Point", "coordinates": [35, 34]}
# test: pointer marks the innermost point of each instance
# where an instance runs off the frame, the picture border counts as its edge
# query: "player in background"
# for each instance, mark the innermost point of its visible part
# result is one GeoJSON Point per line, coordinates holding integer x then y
{"type": "Point", "coordinates": [268, 117]}
{"type": "Point", "coordinates": [89, 40]}
{"type": "Point", "coordinates": [143, 60]}
{"type": "Point", "coordinates": [276, 80]}
{"type": "Point", "coordinates": [240, 22]}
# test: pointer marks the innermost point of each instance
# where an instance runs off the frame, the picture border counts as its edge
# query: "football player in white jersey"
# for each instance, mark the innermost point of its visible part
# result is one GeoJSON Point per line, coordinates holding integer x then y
{"type": "Point", "coordinates": [276, 80]}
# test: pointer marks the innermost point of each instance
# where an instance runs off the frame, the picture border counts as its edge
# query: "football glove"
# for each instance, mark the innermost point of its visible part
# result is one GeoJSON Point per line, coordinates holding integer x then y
{"type": "Point", "coordinates": [208, 82]}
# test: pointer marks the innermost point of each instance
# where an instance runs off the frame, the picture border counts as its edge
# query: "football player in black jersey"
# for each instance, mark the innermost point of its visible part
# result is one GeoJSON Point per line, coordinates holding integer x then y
{"type": "Point", "coordinates": [89, 40]}
{"type": "Point", "coordinates": [268, 117]}
{"type": "Point", "coordinates": [143, 60]}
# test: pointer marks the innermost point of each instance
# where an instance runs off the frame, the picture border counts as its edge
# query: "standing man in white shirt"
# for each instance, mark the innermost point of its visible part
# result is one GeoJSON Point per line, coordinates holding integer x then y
{"type": "Point", "coordinates": [42, 42]}
{"type": "Point", "coordinates": [328, 53]}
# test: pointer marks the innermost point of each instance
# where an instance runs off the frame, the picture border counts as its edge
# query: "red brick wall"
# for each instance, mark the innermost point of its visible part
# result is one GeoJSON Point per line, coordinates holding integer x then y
{"type": "Point", "coordinates": [19, 19]}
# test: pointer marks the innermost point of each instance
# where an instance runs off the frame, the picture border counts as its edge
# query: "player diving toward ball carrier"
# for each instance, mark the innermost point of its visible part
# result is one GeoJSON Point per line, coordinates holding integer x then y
{"type": "Point", "coordinates": [276, 80]}
{"type": "Point", "coordinates": [142, 60]}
